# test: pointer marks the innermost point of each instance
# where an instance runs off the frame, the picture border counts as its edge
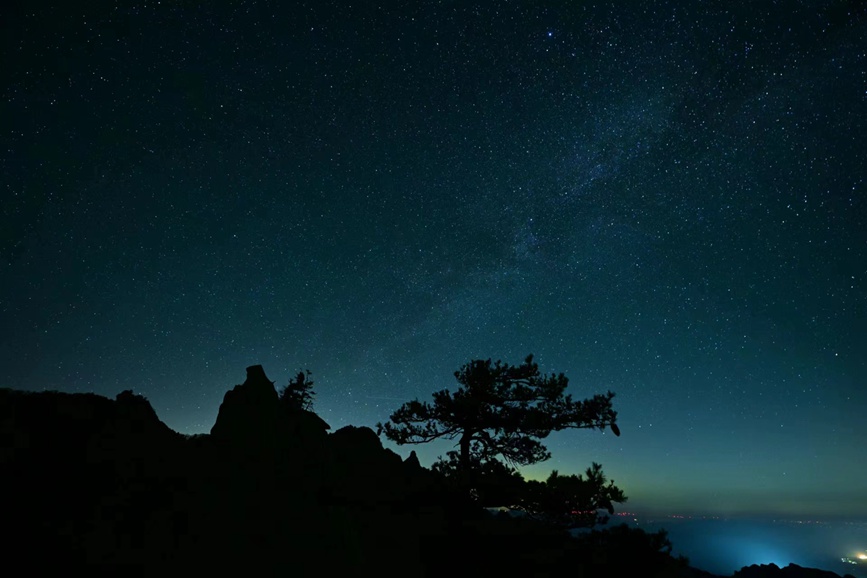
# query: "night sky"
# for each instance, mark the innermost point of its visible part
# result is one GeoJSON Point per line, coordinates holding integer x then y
{"type": "Point", "coordinates": [663, 200]}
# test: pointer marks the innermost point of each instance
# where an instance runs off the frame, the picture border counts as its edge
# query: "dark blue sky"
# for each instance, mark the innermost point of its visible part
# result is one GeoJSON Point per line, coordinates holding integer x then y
{"type": "Point", "coordinates": [664, 201]}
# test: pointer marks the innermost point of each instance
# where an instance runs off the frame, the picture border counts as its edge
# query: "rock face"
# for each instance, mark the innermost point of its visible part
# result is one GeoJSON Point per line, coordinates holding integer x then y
{"type": "Point", "coordinates": [250, 413]}
{"type": "Point", "coordinates": [252, 419]}
{"type": "Point", "coordinates": [363, 469]}
{"type": "Point", "coordinates": [412, 461]}
{"type": "Point", "coordinates": [73, 469]}
{"type": "Point", "coordinates": [66, 426]}
{"type": "Point", "coordinates": [135, 414]}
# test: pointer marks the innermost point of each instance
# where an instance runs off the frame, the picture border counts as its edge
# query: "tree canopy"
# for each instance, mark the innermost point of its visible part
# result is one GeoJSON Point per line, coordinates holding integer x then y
{"type": "Point", "coordinates": [499, 410]}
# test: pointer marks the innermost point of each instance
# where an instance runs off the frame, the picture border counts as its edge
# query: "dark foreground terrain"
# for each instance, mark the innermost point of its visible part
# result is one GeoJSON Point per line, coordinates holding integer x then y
{"type": "Point", "coordinates": [104, 487]}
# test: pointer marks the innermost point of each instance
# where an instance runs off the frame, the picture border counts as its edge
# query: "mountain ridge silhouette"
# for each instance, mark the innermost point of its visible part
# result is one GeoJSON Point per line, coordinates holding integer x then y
{"type": "Point", "coordinates": [104, 486]}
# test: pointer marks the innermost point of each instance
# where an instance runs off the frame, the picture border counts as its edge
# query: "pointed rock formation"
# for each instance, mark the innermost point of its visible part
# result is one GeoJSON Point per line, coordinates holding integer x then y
{"type": "Point", "coordinates": [250, 412]}
{"type": "Point", "coordinates": [412, 461]}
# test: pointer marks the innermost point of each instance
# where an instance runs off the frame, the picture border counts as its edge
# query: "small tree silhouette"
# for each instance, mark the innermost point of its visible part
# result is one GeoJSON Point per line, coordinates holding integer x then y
{"type": "Point", "coordinates": [298, 393]}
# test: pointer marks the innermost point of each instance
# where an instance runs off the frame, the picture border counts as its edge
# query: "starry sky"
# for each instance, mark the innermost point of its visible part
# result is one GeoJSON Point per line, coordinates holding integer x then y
{"type": "Point", "coordinates": [663, 199]}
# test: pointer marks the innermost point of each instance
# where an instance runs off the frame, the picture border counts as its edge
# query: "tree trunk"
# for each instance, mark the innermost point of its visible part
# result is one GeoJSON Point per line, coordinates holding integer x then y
{"type": "Point", "coordinates": [465, 461]}
{"type": "Point", "coordinates": [465, 453]}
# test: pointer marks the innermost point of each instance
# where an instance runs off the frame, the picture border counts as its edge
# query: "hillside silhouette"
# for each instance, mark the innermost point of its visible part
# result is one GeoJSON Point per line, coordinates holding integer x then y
{"type": "Point", "coordinates": [102, 486]}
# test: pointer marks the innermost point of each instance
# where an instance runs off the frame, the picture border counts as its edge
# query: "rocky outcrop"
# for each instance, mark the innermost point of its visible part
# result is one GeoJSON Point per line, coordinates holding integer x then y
{"type": "Point", "coordinates": [362, 469]}
{"type": "Point", "coordinates": [66, 426]}
{"type": "Point", "coordinates": [361, 446]}
{"type": "Point", "coordinates": [250, 412]}
{"type": "Point", "coordinates": [412, 461]}
{"type": "Point", "coordinates": [252, 420]}
{"type": "Point", "coordinates": [79, 475]}
{"type": "Point", "coordinates": [790, 571]}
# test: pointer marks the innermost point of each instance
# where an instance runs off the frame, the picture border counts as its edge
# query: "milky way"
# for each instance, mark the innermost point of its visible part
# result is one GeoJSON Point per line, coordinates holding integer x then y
{"type": "Point", "coordinates": [666, 202]}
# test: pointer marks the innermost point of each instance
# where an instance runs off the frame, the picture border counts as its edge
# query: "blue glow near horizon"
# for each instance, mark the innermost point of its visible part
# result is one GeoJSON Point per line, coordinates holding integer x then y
{"type": "Point", "coordinates": [745, 551]}
{"type": "Point", "coordinates": [724, 546]}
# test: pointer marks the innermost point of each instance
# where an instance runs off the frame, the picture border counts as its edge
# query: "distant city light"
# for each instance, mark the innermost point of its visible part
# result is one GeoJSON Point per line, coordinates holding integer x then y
{"type": "Point", "coordinates": [862, 556]}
